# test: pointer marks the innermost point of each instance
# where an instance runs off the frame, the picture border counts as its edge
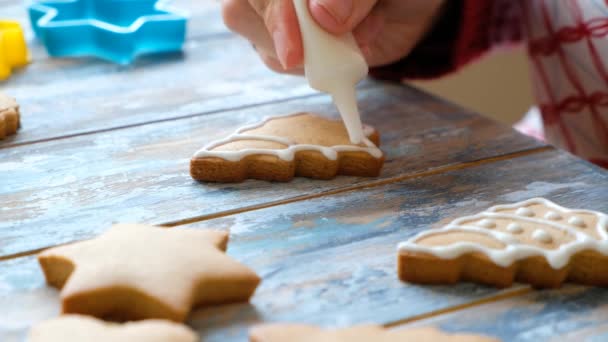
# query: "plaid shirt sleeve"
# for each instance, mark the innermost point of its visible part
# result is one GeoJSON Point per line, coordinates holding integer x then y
{"type": "Point", "coordinates": [467, 29]}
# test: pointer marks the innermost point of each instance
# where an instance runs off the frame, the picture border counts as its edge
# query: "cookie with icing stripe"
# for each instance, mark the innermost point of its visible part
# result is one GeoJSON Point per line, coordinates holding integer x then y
{"type": "Point", "coordinates": [9, 116]}
{"type": "Point", "coordinates": [361, 333]}
{"type": "Point", "coordinates": [535, 241]}
{"type": "Point", "coordinates": [279, 148]}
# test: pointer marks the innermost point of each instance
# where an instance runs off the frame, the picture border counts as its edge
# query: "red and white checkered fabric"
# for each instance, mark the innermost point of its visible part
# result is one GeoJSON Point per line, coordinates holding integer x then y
{"type": "Point", "coordinates": [568, 47]}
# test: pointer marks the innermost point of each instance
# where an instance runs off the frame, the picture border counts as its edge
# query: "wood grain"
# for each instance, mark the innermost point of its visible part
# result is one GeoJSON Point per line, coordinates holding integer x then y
{"type": "Point", "coordinates": [574, 313]}
{"type": "Point", "coordinates": [331, 260]}
{"type": "Point", "coordinates": [88, 96]}
{"type": "Point", "coordinates": [69, 189]}
{"type": "Point", "coordinates": [63, 97]}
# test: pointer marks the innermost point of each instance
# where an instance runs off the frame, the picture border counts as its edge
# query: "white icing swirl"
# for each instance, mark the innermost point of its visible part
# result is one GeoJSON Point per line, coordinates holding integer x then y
{"type": "Point", "coordinates": [514, 228]}
{"type": "Point", "coordinates": [577, 221]}
{"type": "Point", "coordinates": [523, 211]}
{"type": "Point", "coordinates": [552, 215]}
{"type": "Point", "coordinates": [513, 251]}
{"type": "Point", "coordinates": [286, 154]}
{"type": "Point", "coordinates": [541, 235]}
{"type": "Point", "coordinates": [487, 223]}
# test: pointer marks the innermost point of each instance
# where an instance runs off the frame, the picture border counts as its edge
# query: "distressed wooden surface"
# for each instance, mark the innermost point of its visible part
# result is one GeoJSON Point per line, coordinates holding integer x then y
{"type": "Point", "coordinates": [60, 97]}
{"type": "Point", "coordinates": [573, 313]}
{"type": "Point", "coordinates": [332, 260]}
{"type": "Point", "coordinates": [103, 143]}
{"type": "Point", "coordinates": [212, 75]}
{"type": "Point", "coordinates": [69, 189]}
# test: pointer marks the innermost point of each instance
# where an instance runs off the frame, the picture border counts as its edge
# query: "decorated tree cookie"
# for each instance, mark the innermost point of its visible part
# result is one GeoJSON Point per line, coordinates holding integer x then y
{"type": "Point", "coordinates": [535, 241]}
{"type": "Point", "coordinates": [280, 148]}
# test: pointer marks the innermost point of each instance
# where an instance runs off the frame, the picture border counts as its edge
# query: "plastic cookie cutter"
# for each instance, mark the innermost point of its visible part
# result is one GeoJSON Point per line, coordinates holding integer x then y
{"type": "Point", "coordinates": [13, 50]}
{"type": "Point", "coordinates": [114, 30]}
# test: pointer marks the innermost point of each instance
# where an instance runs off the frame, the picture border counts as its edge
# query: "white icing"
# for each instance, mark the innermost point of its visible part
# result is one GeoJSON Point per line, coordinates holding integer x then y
{"type": "Point", "coordinates": [333, 64]}
{"type": "Point", "coordinates": [542, 236]}
{"type": "Point", "coordinates": [514, 228]}
{"type": "Point", "coordinates": [513, 251]}
{"type": "Point", "coordinates": [487, 223]}
{"type": "Point", "coordinates": [524, 212]}
{"type": "Point", "coordinates": [577, 221]}
{"type": "Point", "coordinates": [552, 215]}
{"type": "Point", "coordinates": [287, 153]}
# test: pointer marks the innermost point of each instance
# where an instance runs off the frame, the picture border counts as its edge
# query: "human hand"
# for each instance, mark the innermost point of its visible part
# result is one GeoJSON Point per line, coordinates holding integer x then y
{"type": "Point", "coordinates": [386, 30]}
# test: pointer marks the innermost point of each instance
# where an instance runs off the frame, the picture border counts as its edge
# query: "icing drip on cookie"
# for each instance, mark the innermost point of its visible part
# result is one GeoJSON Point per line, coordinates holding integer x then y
{"type": "Point", "coordinates": [542, 236]}
{"type": "Point", "coordinates": [577, 221]}
{"type": "Point", "coordinates": [552, 215]}
{"type": "Point", "coordinates": [514, 228]}
{"type": "Point", "coordinates": [288, 153]}
{"type": "Point", "coordinates": [487, 223]}
{"type": "Point", "coordinates": [524, 212]}
{"type": "Point", "coordinates": [532, 219]}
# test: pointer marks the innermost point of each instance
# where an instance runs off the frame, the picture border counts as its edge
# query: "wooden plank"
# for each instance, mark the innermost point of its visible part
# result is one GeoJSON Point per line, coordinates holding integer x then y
{"type": "Point", "coordinates": [574, 313]}
{"type": "Point", "coordinates": [68, 189]}
{"type": "Point", "coordinates": [331, 260]}
{"type": "Point", "coordinates": [63, 98]}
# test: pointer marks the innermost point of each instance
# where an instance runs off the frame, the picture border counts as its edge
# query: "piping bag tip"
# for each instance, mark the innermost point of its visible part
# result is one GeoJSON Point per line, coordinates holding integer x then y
{"type": "Point", "coordinates": [346, 101]}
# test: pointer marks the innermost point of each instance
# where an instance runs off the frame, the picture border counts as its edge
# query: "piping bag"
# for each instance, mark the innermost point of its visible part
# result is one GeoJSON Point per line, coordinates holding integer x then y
{"type": "Point", "coordinates": [333, 64]}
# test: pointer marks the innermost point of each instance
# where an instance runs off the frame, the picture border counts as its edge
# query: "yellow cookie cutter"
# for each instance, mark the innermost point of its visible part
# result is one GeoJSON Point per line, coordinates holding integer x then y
{"type": "Point", "coordinates": [13, 50]}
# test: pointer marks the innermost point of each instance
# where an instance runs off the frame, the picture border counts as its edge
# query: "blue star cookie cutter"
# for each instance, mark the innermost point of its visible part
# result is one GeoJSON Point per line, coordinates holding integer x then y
{"type": "Point", "coordinates": [114, 30]}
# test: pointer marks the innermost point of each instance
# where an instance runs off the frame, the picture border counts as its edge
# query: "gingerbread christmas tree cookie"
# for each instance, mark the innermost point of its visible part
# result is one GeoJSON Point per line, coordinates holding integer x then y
{"type": "Point", "coordinates": [136, 272]}
{"type": "Point", "coordinates": [76, 328]}
{"type": "Point", "coordinates": [363, 333]}
{"type": "Point", "coordinates": [279, 148]}
{"type": "Point", "coordinates": [535, 241]}
{"type": "Point", "coordinates": [9, 116]}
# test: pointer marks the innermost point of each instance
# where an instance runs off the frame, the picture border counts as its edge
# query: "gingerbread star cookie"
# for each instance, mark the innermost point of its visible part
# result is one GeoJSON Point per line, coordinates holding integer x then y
{"type": "Point", "coordinates": [9, 116]}
{"type": "Point", "coordinates": [76, 328]}
{"type": "Point", "coordinates": [134, 272]}
{"type": "Point", "coordinates": [362, 333]}
{"type": "Point", "coordinates": [535, 241]}
{"type": "Point", "coordinates": [279, 148]}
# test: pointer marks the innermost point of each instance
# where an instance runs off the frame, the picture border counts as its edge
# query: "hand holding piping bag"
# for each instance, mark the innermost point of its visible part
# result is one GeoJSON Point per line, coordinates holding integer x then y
{"type": "Point", "coordinates": [333, 64]}
{"type": "Point", "coordinates": [383, 31]}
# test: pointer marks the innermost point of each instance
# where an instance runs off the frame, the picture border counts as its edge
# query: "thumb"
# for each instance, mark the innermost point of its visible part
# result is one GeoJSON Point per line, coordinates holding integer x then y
{"type": "Point", "coordinates": [340, 16]}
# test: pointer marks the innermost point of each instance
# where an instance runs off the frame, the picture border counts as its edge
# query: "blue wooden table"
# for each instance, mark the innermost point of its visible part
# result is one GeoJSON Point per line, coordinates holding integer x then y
{"type": "Point", "coordinates": [102, 143]}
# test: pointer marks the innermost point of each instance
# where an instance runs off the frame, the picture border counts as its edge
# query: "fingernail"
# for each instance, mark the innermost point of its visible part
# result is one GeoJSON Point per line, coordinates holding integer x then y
{"type": "Point", "coordinates": [281, 46]}
{"type": "Point", "coordinates": [338, 10]}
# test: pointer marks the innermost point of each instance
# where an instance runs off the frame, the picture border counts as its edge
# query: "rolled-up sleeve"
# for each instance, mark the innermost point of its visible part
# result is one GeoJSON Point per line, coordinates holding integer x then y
{"type": "Point", "coordinates": [466, 30]}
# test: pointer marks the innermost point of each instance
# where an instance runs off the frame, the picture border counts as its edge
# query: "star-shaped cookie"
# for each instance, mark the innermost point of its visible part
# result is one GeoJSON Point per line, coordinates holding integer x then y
{"type": "Point", "coordinates": [77, 328]}
{"type": "Point", "coordinates": [279, 148]}
{"type": "Point", "coordinates": [134, 272]}
{"type": "Point", "coordinates": [9, 116]}
{"type": "Point", "coordinates": [535, 241]}
{"type": "Point", "coordinates": [362, 333]}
